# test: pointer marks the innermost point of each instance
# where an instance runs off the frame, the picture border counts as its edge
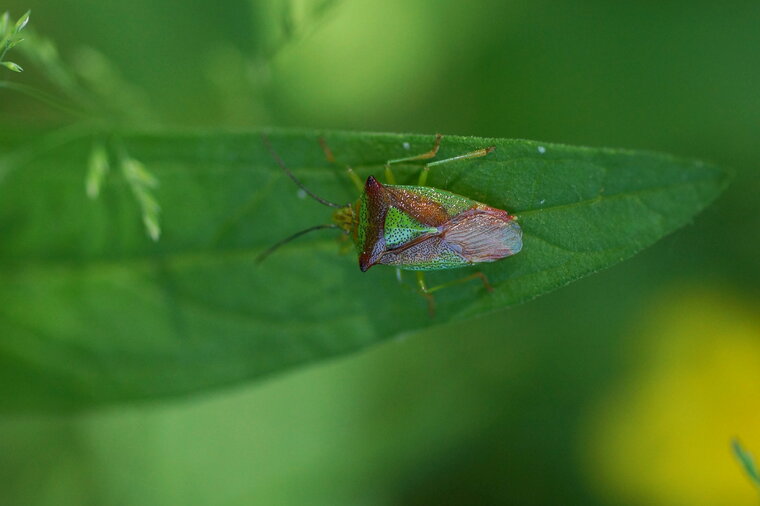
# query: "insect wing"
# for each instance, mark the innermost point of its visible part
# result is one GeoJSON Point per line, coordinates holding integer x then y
{"type": "Point", "coordinates": [483, 234]}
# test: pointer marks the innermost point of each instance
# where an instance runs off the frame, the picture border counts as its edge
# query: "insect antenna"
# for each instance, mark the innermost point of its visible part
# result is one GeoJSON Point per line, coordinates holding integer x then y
{"type": "Point", "coordinates": [294, 178]}
{"type": "Point", "coordinates": [262, 256]}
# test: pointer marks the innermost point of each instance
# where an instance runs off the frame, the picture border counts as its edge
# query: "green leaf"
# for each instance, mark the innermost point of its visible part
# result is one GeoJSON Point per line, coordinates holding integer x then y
{"type": "Point", "coordinates": [93, 311]}
{"type": "Point", "coordinates": [13, 43]}
{"type": "Point", "coordinates": [97, 169]}
{"type": "Point", "coordinates": [746, 461]}
{"type": "Point", "coordinates": [5, 21]}
{"type": "Point", "coordinates": [11, 66]}
{"type": "Point", "coordinates": [142, 182]}
{"type": "Point", "coordinates": [22, 21]}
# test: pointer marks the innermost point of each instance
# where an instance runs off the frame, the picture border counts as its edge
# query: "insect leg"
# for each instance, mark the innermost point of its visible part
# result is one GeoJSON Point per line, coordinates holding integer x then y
{"type": "Point", "coordinates": [472, 154]}
{"type": "Point", "coordinates": [389, 177]}
{"type": "Point", "coordinates": [331, 158]}
{"type": "Point", "coordinates": [464, 279]}
{"type": "Point", "coordinates": [424, 156]}
{"type": "Point", "coordinates": [427, 292]}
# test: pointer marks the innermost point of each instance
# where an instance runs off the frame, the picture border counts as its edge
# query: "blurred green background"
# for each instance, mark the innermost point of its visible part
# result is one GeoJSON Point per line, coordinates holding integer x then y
{"type": "Point", "coordinates": [623, 388]}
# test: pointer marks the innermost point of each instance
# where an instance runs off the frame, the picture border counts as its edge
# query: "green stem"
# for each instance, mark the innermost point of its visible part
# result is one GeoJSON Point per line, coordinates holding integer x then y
{"type": "Point", "coordinates": [42, 97]}
{"type": "Point", "coordinates": [6, 43]}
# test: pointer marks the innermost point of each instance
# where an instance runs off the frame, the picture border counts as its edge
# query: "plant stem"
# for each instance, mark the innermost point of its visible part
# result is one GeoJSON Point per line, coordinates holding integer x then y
{"type": "Point", "coordinates": [42, 97]}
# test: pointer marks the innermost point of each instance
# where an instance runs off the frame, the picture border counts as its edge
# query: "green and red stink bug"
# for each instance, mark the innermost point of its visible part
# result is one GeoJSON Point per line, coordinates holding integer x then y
{"type": "Point", "coordinates": [418, 228]}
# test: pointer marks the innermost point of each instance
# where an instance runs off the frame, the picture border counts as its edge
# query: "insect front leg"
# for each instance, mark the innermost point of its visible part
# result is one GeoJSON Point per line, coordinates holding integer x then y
{"type": "Point", "coordinates": [391, 179]}
{"type": "Point", "coordinates": [427, 292]}
{"type": "Point", "coordinates": [331, 158]}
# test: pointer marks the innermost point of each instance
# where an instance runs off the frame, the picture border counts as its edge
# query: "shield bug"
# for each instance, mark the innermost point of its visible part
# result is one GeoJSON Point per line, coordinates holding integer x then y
{"type": "Point", "coordinates": [417, 228]}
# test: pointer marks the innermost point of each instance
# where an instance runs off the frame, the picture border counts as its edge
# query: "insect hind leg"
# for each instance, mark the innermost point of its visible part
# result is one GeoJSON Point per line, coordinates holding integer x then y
{"type": "Point", "coordinates": [427, 292]}
{"type": "Point", "coordinates": [472, 154]}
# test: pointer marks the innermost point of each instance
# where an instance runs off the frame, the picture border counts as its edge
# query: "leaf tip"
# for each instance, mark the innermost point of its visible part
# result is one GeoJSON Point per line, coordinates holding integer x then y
{"type": "Point", "coordinates": [22, 21]}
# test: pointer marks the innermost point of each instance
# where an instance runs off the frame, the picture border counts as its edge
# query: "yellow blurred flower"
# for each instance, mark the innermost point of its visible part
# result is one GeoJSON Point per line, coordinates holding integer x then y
{"type": "Point", "coordinates": [663, 435]}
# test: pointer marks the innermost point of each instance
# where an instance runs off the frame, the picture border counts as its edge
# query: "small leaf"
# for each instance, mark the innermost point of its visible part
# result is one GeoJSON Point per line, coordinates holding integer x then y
{"type": "Point", "coordinates": [5, 22]}
{"type": "Point", "coordinates": [22, 21]}
{"type": "Point", "coordinates": [11, 66]}
{"type": "Point", "coordinates": [94, 313]}
{"type": "Point", "coordinates": [747, 462]}
{"type": "Point", "coordinates": [14, 42]}
{"type": "Point", "coordinates": [136, 172]}
{"type": "Point", "coordinates": [142, 182]}
{"type": "Point", "coordinates": [97, 168]}
{"type": "Point", "coordinates": [152, 226]}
